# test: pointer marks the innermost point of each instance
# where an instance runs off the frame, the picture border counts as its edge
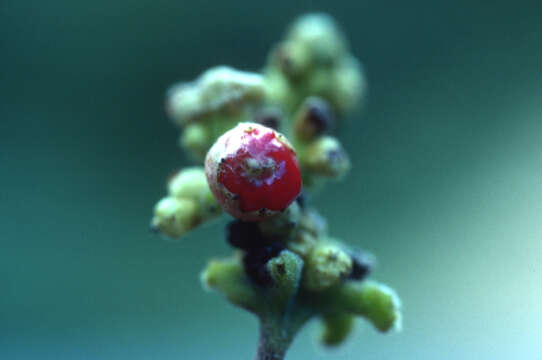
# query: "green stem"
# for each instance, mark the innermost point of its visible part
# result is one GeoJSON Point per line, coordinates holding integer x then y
{"type": "Point", "coordinates": [274, 341]}
{"type": "Point", "coordinates": [277, 333]}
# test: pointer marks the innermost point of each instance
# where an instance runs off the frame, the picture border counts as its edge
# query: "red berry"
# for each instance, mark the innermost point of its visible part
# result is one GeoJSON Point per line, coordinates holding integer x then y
{"type": "Point", "coordinates": [253, 172]}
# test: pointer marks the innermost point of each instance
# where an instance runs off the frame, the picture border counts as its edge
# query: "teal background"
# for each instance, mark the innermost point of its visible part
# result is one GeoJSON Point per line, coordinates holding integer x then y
{"type": "Point", "coordinates": [446, 187]}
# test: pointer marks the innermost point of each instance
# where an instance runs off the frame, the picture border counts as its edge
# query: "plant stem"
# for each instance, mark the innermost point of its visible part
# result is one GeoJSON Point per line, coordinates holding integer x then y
{"type": "Point", "coordinates": [274, 340]}
{"type": "Point", "coordinates": [277, 333]}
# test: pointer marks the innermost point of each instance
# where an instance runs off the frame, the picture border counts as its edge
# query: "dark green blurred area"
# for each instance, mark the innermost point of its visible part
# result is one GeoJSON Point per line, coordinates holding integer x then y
{"type": "Point", "coordinates": [446, 187]}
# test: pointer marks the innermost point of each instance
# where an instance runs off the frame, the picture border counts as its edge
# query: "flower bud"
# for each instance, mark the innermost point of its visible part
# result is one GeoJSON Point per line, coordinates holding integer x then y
{"type": "Point", "coordinates": [218, 89]}
{"type": "Point", "coordinates": [327, 264]}
{"type": "Point", "coordinates": [228, 277]}
{"type": "Point", "coordinates": [326, 157]}
{"type": "Point", "coordinates": [191, 183]}
{"type": "Point", "coordinates": [175, 217]}
{"type": "Point", "coordinates": [196, 139]}
{"type": "Point", "coordinates": [348, 85]}
{"type": "Point", "coordinates": [375, 301]}
{"type": "Point", "coordinates": [337, 327]}
{"type": "Point", "coordinates": [320, 36]}
{"type": "Point", "coordinates": [314, 119]}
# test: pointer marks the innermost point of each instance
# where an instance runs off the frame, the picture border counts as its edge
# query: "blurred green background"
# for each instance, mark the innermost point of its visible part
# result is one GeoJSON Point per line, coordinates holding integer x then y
{"type": "Point", "coordinates": [446, 187]}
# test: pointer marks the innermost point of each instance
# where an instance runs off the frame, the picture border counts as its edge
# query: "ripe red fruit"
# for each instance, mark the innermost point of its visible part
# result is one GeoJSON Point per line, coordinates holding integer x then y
{"type": "Point", "coordinates": [253, 172]}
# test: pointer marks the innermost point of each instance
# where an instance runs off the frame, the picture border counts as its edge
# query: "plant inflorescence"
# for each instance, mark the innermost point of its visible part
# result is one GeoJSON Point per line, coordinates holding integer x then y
{"type": "Point", "coordinates": [262, 138]}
